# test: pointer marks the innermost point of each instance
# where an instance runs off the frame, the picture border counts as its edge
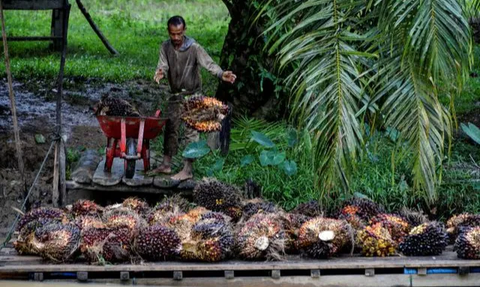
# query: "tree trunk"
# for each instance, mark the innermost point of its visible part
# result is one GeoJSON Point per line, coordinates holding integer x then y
{"type": "Point", "coordinates": [243, 53]}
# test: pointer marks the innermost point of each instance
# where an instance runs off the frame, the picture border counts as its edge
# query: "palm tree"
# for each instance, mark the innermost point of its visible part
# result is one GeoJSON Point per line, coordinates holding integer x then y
{"type": "Point", "coordinates": [350, 59]}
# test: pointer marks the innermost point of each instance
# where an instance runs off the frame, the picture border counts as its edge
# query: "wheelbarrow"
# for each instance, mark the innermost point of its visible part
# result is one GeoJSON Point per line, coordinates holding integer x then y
{"type": "Point", "coordinates": [121, 133]}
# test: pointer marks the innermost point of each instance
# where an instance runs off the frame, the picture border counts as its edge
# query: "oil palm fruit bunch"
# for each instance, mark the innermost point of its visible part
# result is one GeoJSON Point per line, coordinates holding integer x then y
{"type": "Point", "coordinates": [456, 222]}
{"type": "Point", "coordinates": [117, 245]}
{"type": "Point", "coordinates": [57, 242]}
{"type": "Point", "coordinates": [310, 209]}
{"type": "Point", "coordinates": [109, 106]}
{"type": "Point", "coordinates": [211, 240]}
{"type": "Point", "coordinates": [413, 217]}
{"type": "Point", "coordinates": [42, 212]}
{"type": "Point", "coordinates": [362, 207]}
{"type": "Point", "coordinates": [262, 237]}
{"type": "Point", "coordinates": [425, 239]}
{"type": "Point", "coordinates": [89, 221]}
{"type": "Point", "coordinates": [181, 223]}
{"type": "Point", "coordinates": [138, 205]}
{"type": "Point", "coordinates": [218, 196]}
{"type": "Point", "coordinates": [396, 225]}
{"type": "Point", "coordinates": [218, 216]}
{"type": "Point", "coordinates": [86, 207]}
{"type": "Point", "coordinates": [92, 243]}
{"type": "Point", "coordinates": [157, 242]}
{"type": "Point", "coordinates": [23, 244]}
{"type": "Point", "coordinates": [257, 205]}
{"type": "Point", "coordinates": [174, 203]}
{"type": "Point", "coordinates": [375, 240]}
{"type": "Point", "coordinates": [322, 237]}
{"type": "Point", "coordinates": [123, 217]}
{"type": "Point", "coordinates": [467, 244]}
{"type": "Point", "coordinates": [292, 223]}
{"type": "Point", "coordinates": [204, 114]}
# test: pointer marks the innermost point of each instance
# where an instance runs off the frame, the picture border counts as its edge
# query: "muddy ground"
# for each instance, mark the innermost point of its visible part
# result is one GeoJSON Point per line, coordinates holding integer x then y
{"type": "Point", "coordinates": [36, 110]}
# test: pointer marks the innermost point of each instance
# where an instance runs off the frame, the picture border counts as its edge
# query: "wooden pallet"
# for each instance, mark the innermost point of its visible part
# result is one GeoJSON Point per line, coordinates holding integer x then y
{"type": "Point", "coordinates": [444, 270]}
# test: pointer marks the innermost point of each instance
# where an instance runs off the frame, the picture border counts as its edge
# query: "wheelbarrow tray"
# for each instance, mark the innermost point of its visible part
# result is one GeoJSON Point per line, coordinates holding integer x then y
{"type": "Point", "coordinates": [111, 126]}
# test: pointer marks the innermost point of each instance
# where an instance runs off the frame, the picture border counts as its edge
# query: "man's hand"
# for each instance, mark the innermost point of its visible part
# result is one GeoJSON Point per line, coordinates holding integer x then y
{"type": "Point", "coordinates": [228, 76]}
{"type": "Point", "coordinates": [158, 75]}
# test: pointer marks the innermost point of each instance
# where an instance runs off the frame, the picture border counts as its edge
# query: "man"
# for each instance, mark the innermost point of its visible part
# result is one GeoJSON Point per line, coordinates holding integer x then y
{"type": "Point", "coordinates": [180, 60]}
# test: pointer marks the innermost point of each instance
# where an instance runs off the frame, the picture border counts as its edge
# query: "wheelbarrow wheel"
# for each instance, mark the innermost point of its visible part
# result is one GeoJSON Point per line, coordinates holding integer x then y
{"type": "Point", "coordinates": [130, 164]}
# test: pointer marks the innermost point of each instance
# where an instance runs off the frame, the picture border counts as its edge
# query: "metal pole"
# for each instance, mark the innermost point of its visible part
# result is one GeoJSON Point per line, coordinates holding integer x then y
{"type": "Point", "coordinates": [16, 130]}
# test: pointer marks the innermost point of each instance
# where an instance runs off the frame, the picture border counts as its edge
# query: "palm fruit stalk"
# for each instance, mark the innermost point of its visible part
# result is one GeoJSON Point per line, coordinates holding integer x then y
{"type": "Point", "coordinates": [426, 239]}
{"type": "Point", "coordinates": [86, 207]}
{"type": "Point", "coordinates": [204, 114]}
{"type": "Point", "coordinates": [396, 225]}
{"type": "Point", "coordinates": [467, 244]}
{"type": "Point", "coordinates": [262, 237]}
{"type": "Point", "coordinates": [323, 237]}
{"type": "Point", "coordinates": [457, 222]}
{"type": "Point", "coordinates": [57, 242]}
{"type": "Point", "coordinates": [138, 205]}
{"type": "Point", "coordinates": [413, 217]}
{"type": "Point", "coordinates": [375, 240]}
{"type": "Point", "coordinates": [157, 243]}
{"type": "Point", "coordinates": [217, 196]}
{"type": "Point", "coordinates": [310, 209]}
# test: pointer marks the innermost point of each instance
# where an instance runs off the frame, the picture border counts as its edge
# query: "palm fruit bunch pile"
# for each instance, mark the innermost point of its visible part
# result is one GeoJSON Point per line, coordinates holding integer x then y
{"type": "Point", "coordinates": [256, 205]}
{"type": "Point", "coordinates": [57, 242]}
{"type": "Point", "coordinates": [457, 222]}
{"type": "Point", "coordinates": [322, 237]}
{"type": "Point", "coordinates": [467, 244]}
{"type": "Point", "coordinates": [375, 240]}
{"type": "Point", "coordinates": [168, 207]}
{"type": "Point", "coordinates": [156, 243]}
{"type": "Point", "coordinates": [204, 114]}
{"type": "Point", "coordinates": [396, 225]}
{"type": "Point", "coordinates": [310, 209]}
{"type": "Point", "coordinates": [32, 221]}
{"type": "Point", "coordinates": [292, 223]}
{"type": "Point", "coordinates": [110, 106]}
{"type": "Point", "coordinates": [359, 211]}
{"type": "Point", "coordinates": [218, 196]}
{"type": "Point", "coordinates": [425, 239]}
{"type": "Point", "coordinates": [261, 237]}
{"type": "Point", "coordinates": [211, 239]}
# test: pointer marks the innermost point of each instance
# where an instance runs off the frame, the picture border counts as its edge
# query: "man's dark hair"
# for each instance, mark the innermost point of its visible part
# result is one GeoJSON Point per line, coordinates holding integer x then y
{"type": "Point", "coordinates": [176, 21]}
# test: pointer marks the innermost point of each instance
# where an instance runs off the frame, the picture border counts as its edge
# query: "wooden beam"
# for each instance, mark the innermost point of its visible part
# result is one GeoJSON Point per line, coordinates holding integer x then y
{"type": "Point", "coordinates": [32, 38]}
{"type": "Point", "coordinates": [96, 29]}
{"type": "Point", "coordinates": [32, 5]}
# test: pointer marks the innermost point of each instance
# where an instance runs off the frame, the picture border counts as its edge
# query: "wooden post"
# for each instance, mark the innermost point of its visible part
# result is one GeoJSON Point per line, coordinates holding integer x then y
{"type": "Point", "coordinates": [95, 28]}
{"type": "Point", "coordinates": [57, 26]}
{"type": "Point", "coordinates": [16, 130]}
{"type": "Point", "coordinates": [59, 196]}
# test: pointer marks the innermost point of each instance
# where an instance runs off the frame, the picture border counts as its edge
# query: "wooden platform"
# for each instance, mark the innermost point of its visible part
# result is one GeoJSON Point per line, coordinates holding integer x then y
{"type": "Point", "coordinates": [89, 174]}
{"type": "Point", "coordinates": [444, 270]}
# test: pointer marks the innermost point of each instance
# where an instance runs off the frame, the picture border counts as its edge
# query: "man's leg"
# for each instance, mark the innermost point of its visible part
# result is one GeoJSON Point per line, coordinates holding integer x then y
{"type": "Point", "coordinates": [170, 136]}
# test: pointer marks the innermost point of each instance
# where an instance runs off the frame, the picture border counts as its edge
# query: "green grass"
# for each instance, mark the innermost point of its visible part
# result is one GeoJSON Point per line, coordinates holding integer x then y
{"type": "Point", "coordinates": [134, 28]}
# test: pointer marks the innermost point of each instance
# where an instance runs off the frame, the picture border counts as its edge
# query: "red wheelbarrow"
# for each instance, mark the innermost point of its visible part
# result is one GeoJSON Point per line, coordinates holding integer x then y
{"type": "Point", "coordinates": [121, 133]}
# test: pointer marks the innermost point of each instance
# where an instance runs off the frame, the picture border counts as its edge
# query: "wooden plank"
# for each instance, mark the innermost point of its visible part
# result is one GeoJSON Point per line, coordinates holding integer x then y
{"type": "Point", "coordinates": [86, 166]}
{"type": "Point", "coordinates": [292, 263]}
{"type": "Point", "coordinates": [399, 280]}
{"type": "Point", "coordinates": [104, 178]}
{"type": "Point", "coordinates": [139, 179]}
{"type": "Point", "coordinates": [165, 181]}
{"type": "Point", "coordinates": [32, 4]}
